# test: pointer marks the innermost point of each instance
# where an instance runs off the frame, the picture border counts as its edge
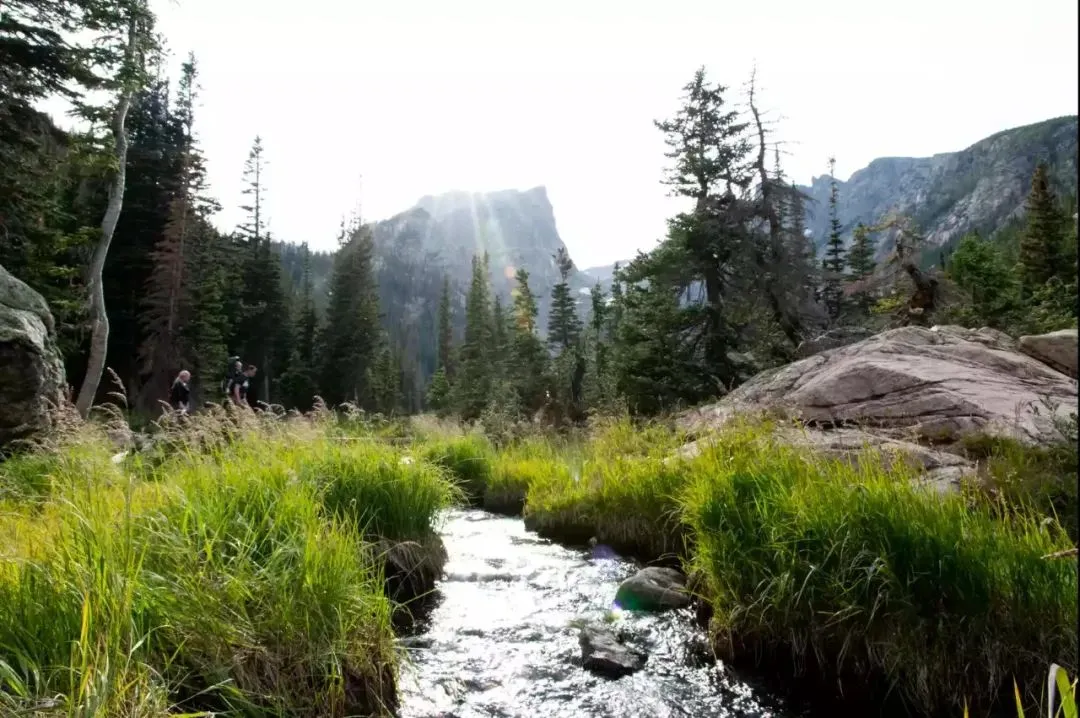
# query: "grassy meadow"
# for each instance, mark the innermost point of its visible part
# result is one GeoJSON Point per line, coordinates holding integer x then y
{"type": "Point", "coordinates": [236, 566]}
{"type": "Point", "coordinates": [233, 568]}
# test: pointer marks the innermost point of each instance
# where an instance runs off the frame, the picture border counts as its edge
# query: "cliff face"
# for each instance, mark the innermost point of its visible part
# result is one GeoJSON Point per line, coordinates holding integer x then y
{"type": "Point", "coordinates": [516, 229]}
{"type": "Point", "coordinates": [952, 193]}
{"type": "Point", "coordinates": [438, 238]}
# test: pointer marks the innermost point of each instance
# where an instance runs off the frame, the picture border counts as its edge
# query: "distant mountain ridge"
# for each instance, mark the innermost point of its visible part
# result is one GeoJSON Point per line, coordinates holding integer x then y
{"type": "Point", "coordinates": [952, 193]}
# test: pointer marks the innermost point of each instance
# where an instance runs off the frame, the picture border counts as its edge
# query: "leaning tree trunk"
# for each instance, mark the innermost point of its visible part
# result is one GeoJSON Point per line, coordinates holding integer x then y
{"type": "Point", "coordinates": [923, 301]}
{"type": "Point", "coordinates": [99, 319]}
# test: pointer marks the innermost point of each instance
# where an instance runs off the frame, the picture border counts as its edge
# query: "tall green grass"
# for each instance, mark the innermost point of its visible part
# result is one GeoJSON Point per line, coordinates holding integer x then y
{"type": "Point", "coordinates": [467, 460]}
{"type": "Point", "coordinates": [239, 576]}
{"type": "Point", "coordinates": [863, 574]}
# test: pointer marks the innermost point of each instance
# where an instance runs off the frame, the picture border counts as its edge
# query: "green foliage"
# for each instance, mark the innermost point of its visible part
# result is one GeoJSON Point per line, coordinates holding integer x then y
{"type": "Point", "coordinates": [876, 576]}
{"type": "Point", "coordinates": [299, 382]}
{"type": "Point", "coordinates": [564, 325]}
{"type": "Point", "coordinates": [835, 262]}
{"type": "Point", "coordinates": [241, 578]}
{"type": "Point", "coordinates": [1041, 479]}
{"type": "Point", "coordinates": [655, 368]}
{"type": "Point", "coordinates": [468, 459]}
{"type": "Point", "coordinates": [1053, 306]}
{"type": "Point", "coordinates": [1042, 244]}
{"type": "Point", "coordinates": [978, 267]}
{"type": "Point", "coordinates": [472, 386]}
{"type": "Point", "coordinates": [438, 393]}
{"type": "Point", "coordinates": [446, 330]}
{"type": "Point", "coordinates": [348, 341]}
{"type": "Point", "coordinates": [529, 355]}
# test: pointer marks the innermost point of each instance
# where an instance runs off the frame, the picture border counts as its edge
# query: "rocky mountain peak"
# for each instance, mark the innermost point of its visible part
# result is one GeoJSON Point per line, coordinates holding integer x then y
{"type": "Point", "coordinates": [951, 193]}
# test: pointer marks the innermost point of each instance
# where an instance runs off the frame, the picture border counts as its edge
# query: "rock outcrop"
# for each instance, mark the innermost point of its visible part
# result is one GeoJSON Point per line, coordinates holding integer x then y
{"type": "Point", "coordinates": [603, 653]}
{"type": "Point", "coordinates": [1056, 349]}
{"type": "Point", "coordinates": [653, 588]}
{"type": "Point", "coordinates": [912, 384]}
{"type": "Point", "coordinates": [31, 368]}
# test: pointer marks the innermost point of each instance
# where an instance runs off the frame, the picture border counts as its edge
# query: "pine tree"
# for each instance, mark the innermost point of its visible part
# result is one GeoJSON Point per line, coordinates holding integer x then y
{"type": "Point", "coordinates": [299, 381]}
{"type": "Point", "coordinates": [616, 313]}
{"type": "Point", "coordinates": [1042, 242]}
{"type": "Point", "coordinates": [438, 393]}
{"type": "Point", "coordinates": [564, 325]}
{"type": "Point", "coordinates": [446, 330]}
{"type": "Point", "coordinates": [599, 387]}
{"type": "Point", "coordinates": [263, 330]}
{"type": "Point", "coordinates": [710, 151]}
{"type": "Point", "coordinates": [979, 269]}
{"type": "Point", "coordinates": [43, 236]}
{"type": "Point", "coordinates": [860, 257]}
{"type": "Point", "coordinates": [169, 306]}
{"type": "Point", "coordinates": [349, 340]}
{"type": "Point", "coordinates": [835, 261]}
{"type": "Point", "coordinates": [861, 261]}
{"type": "Point", "coordinates": [384, 378]}
{"type": "Point", "coordinates": [529, 356]}
{"type": "Point", "coordinates": [472, 386]}
{"type": "Point", "coordinates": [654, 368]}
{"type": "Point", "coordinates": [501, 327]}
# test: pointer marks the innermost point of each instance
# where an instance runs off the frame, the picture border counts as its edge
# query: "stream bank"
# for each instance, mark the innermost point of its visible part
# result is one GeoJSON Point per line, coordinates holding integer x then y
{"type": "Point", "coordinates": [500, 638]}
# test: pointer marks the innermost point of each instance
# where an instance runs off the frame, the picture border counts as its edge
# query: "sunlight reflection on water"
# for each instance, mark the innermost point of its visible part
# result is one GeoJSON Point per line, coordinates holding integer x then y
{"type": "Point", "coordinates": [501, 640]}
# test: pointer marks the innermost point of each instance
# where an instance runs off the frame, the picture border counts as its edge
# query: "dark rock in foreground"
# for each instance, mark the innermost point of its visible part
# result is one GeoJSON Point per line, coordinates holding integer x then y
{"type": "Point", "coordinates": [653, 589]}
{"type": "Point", "coordinates": [31, 368]}
{"type": "Point", "coordinates": [604, 654]}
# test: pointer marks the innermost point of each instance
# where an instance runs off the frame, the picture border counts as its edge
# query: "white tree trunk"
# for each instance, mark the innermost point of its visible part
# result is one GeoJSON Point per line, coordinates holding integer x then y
{"type": "Point", "coordinates": [99, 320]}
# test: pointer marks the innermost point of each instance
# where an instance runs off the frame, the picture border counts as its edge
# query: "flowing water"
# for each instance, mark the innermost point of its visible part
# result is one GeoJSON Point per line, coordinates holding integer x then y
{"type": "Point", "coordinates": [501, 639]}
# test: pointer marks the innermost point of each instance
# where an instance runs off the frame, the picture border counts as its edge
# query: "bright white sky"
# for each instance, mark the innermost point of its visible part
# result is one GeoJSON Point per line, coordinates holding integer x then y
{"type": "Point", "coordinates": [421, 97]}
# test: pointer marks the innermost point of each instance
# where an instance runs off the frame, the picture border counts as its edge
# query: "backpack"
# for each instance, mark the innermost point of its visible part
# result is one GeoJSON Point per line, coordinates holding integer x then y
{"type": "Point", "coordinates": [230, 374]}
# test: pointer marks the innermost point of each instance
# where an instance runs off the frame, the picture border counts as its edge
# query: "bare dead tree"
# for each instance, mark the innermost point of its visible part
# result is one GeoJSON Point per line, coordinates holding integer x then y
{"type": "Point", "coordinates": [129, 73]}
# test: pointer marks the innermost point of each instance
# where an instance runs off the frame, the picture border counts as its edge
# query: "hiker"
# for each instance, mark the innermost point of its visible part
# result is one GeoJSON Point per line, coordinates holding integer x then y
{"type": "Point", "coordinates": [232, 370]}
{"type": "Point", "coordinates": [180, 394]}
{"type": "Point", "coordinates": [238, 389]}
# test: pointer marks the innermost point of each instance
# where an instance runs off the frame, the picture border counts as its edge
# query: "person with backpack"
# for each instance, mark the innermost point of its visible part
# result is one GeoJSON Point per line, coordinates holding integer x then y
{"type": "Point", "coordinates": [238, 390]}
{"type": "Point", "coordinates": [180, 393]}
{"type": "Point", "coordinates": [232, 370]}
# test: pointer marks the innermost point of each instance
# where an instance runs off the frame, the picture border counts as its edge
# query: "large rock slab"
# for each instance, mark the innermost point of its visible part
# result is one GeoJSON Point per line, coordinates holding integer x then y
{"type": "Point", "coordinates": [31, 368]}
{"type": "Point", "coordinates": [604, 654]}
{"type": "Point", "coordinates": [911, 383]}
{"type": "Point", "coordinates": [1056, 349]}
{"type": "Point", "coordinates": [653, 588]}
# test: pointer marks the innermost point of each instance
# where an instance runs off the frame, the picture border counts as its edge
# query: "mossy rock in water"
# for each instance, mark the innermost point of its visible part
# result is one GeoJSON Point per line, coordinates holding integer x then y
{"type": "Point", "coordinates": [411, 568]}
{"type": "Point", "coordinates": [653, 589]}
